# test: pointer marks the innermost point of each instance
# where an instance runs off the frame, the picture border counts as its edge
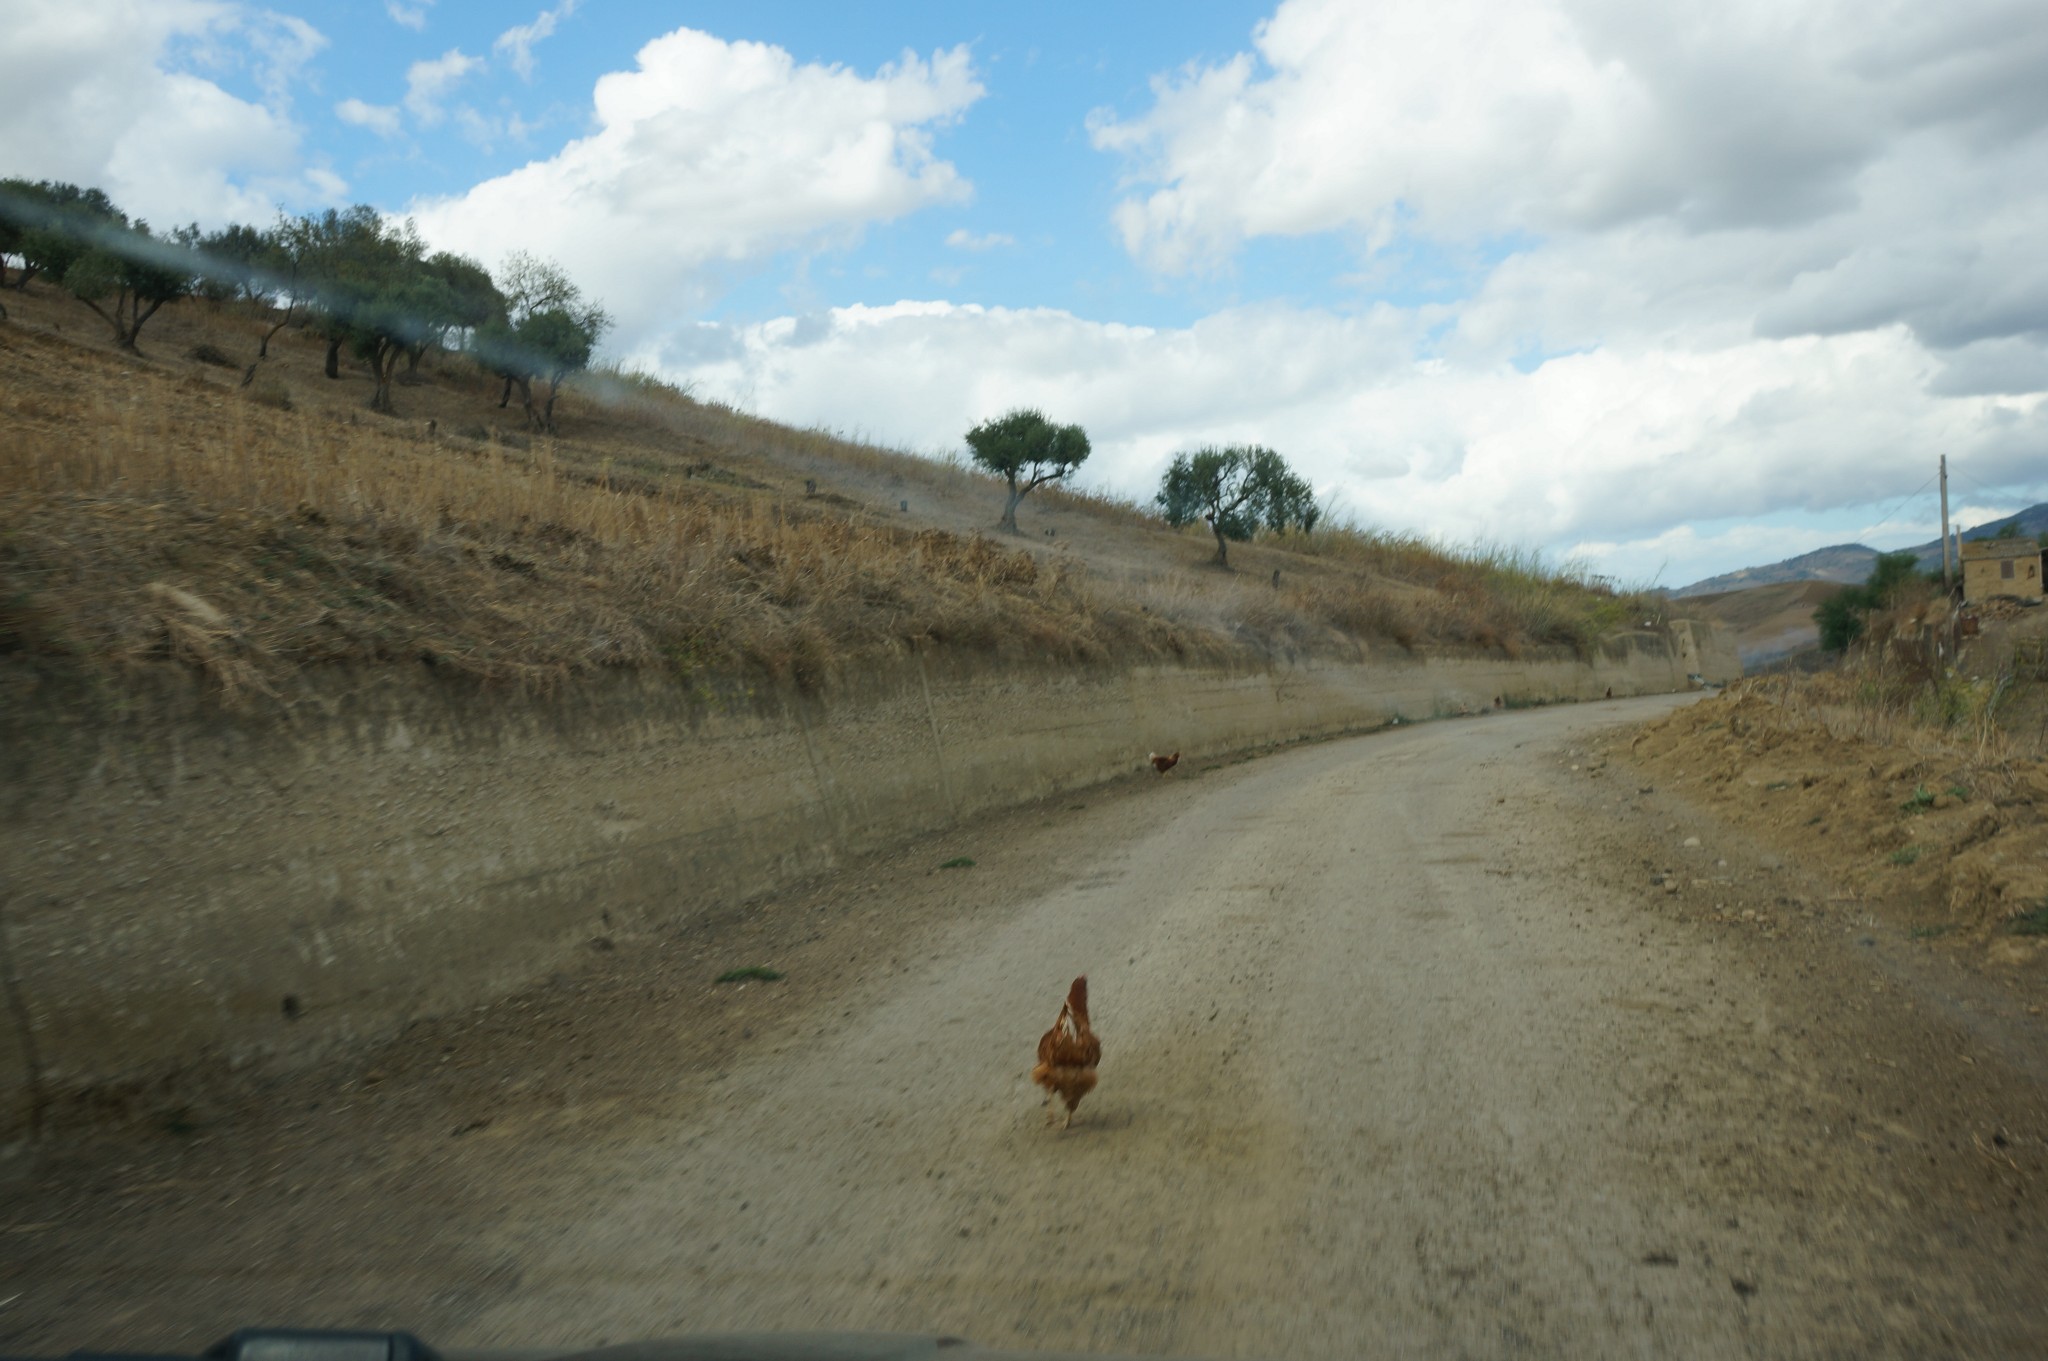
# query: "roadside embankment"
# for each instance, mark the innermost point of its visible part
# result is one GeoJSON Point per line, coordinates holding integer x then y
{"type": "Point", "coordinates": [187, 885]}
{"type": "Point", "coordinates": [1943, 833]}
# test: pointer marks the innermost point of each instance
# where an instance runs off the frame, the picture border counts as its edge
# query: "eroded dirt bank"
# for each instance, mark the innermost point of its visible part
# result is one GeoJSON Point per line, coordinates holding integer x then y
{"type": "Point", "coordinates": [1404, 1048]}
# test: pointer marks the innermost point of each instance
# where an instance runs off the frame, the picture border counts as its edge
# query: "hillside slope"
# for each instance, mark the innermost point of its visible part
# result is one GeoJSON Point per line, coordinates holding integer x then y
{"type": "Point", "coordinates": [160, 507]}
{"type": "Point", "coordinates": [1770, 622]}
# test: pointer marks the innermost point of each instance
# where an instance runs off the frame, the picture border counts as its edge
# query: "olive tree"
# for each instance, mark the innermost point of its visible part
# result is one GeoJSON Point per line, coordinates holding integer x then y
{"type": "Point", "coordinates": [125, 276]}
{"type": "Point", "coordinates": [280, 274]}
{"type": "Point", "coordinates": [1237, 491]}
{"type": "Point", "coordinates": [225, 262]}
{"type": "Point", "coordinates": [1027, 451]}
{"type": "Point", "coordinates": [387, 319]}
{"type": "Point", "coordinates": [340, 259]}
{"type": "Point", "coordinates": [48, 226]}
{"type": "Point", "coordinates": [547, 330]}
{"type": "Point", "coordinates": [465, 300]}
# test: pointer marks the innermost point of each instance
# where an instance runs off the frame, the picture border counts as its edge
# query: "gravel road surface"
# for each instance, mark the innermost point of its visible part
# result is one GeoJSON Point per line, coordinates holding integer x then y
{"type": "Point", "coordinates": [1403, 1055]}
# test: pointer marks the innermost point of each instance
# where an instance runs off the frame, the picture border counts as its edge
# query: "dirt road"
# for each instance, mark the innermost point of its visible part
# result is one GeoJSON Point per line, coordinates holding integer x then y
{"type": "Point", "coordinates": [1402, 1052]}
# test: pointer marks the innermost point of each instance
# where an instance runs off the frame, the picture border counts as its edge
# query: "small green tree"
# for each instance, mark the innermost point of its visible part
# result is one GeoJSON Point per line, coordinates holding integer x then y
{"type": "Point", "coordinates": [133, 274]}
{"type": "Point", "coordinates": [546, 330]}
{"type": "Point", "coordinates": [1840, 618]}
{"type": "Point", "coordinates": [279, 274]}
{"type": "Point", "coordinates": [1027, 451]}
{"type": "Point", "coordinates": [465, 301]}
{"type": "Point", "coordinates": [1843, 616]}
{"type": "Point", "coordinates": [48, 226]}
{"type": "Point", "coordinates": [1237, 490]}
{"type": "Point", "coordinates": [561, 341]}
{"type": "Point", "coordinates": [339, 258]}
{"type": "Point", "coordinates": [224, 262]}
{"type": "Point", "coordinates": [387, 319]}
{"type": "Point", "coordinates": [20, 205]}
{"type": "Point", "coordinates": [373, 295]}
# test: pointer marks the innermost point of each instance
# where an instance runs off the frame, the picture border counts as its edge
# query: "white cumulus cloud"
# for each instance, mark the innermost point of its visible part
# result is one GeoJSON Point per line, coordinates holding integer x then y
{"type": "Point", "coordinates": [1761, 260]}
{"type": "Point", "coordinates": [1462, 118]}
{"type": "Point", "coordinates": [89, 93]}
{"type": "Point", "coordinates": [713, 155]}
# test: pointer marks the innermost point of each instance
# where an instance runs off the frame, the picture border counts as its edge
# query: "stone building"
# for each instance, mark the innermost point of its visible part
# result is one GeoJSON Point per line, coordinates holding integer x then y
{"type": "Point", "coordinates": [2001, 567]}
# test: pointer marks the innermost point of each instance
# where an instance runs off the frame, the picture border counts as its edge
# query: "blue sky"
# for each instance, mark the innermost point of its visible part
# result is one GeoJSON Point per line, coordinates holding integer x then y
{"type": "Point", "coordinates": [1026, 148]}
{"type": "Point", "coordinates": [1671, 297]}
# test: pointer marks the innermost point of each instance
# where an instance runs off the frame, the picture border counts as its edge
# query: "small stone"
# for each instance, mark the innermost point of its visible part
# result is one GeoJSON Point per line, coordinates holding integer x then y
{"type": "Point", "coordinates": [1692, 841]}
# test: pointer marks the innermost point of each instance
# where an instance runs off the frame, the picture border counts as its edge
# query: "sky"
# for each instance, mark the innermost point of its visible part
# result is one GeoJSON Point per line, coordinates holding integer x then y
{"type": "Point", "coordinates": [1668, 289]}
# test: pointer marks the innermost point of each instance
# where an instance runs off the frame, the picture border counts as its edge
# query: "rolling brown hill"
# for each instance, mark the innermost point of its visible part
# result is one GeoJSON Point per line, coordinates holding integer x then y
{"type": "Point", "coordinates": [1770, 622]}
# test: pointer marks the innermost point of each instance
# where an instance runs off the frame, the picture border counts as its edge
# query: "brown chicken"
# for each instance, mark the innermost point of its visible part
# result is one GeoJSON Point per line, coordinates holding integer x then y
{"type": "Point", "coordinates": [1067, 1055]}
{"type": "Point", "coordinates": [1162, 764]}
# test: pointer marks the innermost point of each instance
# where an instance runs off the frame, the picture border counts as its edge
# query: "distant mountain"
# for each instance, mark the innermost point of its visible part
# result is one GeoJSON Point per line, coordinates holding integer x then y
{"type": "Point", "coordinates": [1850, 562]}
{"type": "Point", "coordinates": [1844, 562]}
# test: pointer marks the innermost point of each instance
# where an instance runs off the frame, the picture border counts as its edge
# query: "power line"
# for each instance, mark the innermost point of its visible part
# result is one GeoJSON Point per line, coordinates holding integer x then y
{"type": "Point", "coordinates": [1903, 499]}
{"type": "Point", "coordinates": [1980, 488]}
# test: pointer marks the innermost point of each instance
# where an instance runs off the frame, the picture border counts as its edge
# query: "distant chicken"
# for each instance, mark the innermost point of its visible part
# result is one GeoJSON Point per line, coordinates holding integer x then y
{"type": "Point", "coordinates": [1162, 764]}
{"type": "Point", "coordinates": [1067, 1055]}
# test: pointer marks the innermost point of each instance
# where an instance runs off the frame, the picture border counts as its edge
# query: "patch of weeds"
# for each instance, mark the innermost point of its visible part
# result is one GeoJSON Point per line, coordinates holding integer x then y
{"type": "Point", "coordinates": [1776, 785]}
{"type": "Point", "coordinates": [1958, 793]}
{"type": "Point", "coordinates": [1930, 932]}
{"type": "Point", "coordinates": [2033, 923]}
{"type": "Point", "coordinates": [1075, 807]}
{"type": "Point", "coordinates": [1905, 855]}
{"type": "Point", "coordinates": [179, 1122]}
{"type": "Point", "coordinates": [752, 973]}
{"type": "Point", "coordinates": [959, 862]}
{"type": "Point", "coordinates": [272, 393]}
{"type": "Point", "coordinates": [1923, 797]}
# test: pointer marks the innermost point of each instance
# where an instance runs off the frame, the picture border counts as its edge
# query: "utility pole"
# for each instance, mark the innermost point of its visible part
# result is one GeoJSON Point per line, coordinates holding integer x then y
{"type": "Point", "coordinates": [1948, 579]}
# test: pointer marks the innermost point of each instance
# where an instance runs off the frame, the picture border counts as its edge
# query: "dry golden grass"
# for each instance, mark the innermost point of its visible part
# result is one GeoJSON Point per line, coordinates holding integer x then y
{"type": "Point", "coordinates": [1872, 698]}
{"type": "Point", "coordinates": [153, 510]}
